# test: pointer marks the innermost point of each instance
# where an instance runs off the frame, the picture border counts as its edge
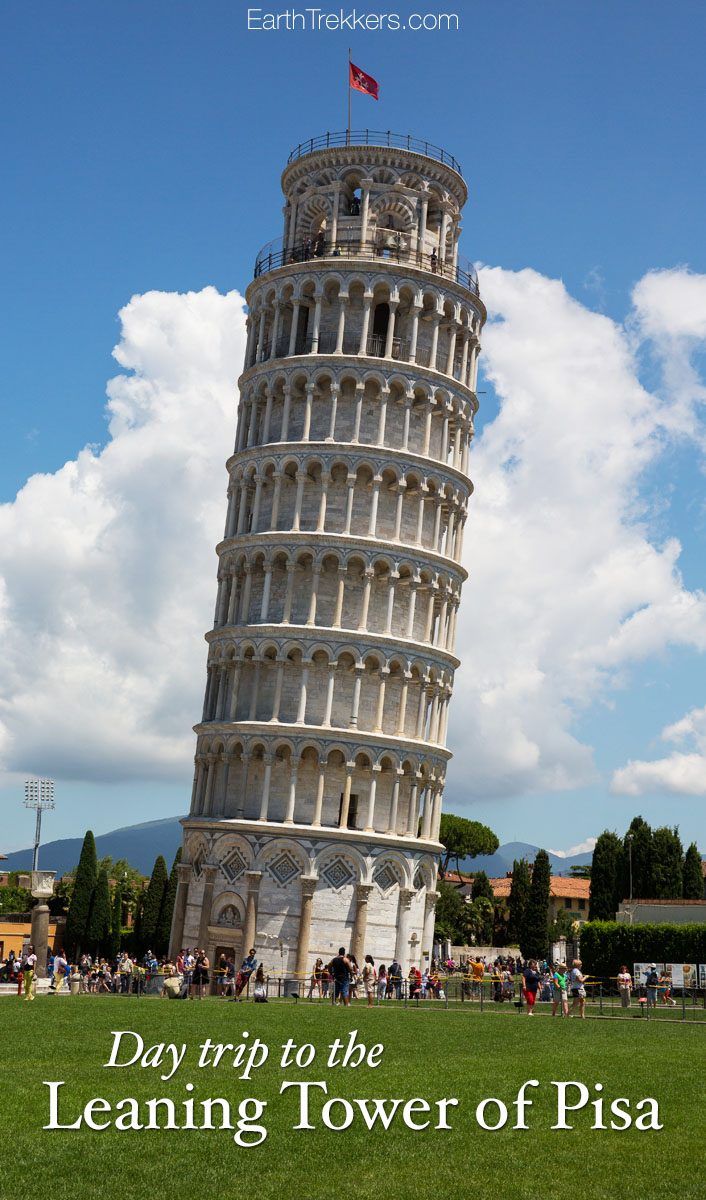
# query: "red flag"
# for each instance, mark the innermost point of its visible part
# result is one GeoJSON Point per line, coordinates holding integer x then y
{"type": "Point", "coordinates": [361, 82]}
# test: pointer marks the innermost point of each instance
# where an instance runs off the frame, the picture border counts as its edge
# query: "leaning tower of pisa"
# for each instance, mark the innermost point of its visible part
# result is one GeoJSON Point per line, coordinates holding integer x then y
{"type": "Point", "coordinates": [321, 751]}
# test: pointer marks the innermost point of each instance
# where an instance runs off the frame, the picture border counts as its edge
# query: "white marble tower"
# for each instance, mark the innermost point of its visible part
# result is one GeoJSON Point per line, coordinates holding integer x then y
{"type": "Point", "coordinates": [321, 752]}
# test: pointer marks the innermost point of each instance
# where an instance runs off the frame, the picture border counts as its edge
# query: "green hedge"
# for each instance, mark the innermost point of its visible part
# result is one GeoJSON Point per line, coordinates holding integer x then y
{"type": "Point", "coordinates": [606, 945]}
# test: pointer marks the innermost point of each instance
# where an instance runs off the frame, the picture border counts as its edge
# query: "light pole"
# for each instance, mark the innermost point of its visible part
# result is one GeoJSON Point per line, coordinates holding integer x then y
{"type": "Point", "coordinates": [39, 794]}
{"type": "Point", "coordinates": [629, 838]}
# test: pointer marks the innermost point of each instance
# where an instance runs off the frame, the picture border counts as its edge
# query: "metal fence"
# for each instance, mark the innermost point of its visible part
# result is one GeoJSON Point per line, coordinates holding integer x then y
{"type": "Point", "coordinates": [375, 137]}
{"type": "Point", "coordinates": [279, 254]}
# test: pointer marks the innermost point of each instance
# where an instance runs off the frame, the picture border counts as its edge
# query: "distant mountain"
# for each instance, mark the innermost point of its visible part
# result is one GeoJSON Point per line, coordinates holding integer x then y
{"type": "Point", "coordinates": [139, 844]}
{"type": "Point", "coordinates": [498, 864]}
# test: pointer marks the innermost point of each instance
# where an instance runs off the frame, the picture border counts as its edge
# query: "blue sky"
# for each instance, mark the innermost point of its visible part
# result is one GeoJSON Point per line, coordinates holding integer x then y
{"type": "Point", "coordinates": [142, 149]}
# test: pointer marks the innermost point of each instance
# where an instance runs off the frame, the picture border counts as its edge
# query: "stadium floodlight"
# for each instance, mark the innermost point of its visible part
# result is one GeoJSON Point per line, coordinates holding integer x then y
{"type": "Point", "coordinates": [39, 795]}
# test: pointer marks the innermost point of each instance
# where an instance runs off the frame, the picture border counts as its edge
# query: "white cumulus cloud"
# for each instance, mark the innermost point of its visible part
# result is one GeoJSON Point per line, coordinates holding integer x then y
{"type": "Point", "coordinates": [584, 847]}
{"type": "Point", "coordinates": [107, 570]}
{"type": "Point", "coordinates": [107, 565]}
{"type": "Point", "coordinates": [567, 587]}
{"type": "Point", "coordinates": [683, 772]}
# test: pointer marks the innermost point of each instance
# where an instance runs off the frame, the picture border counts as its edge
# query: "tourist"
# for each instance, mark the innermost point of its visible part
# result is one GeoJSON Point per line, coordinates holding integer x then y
{"type": "Point", "coordinates": [369, 979]}
{"type": "Point", "coordinates": [577, 983]}
{"type": "Point", "coordinates": [414, 982]}
{"type": "Point", "coordinates": [199, 977]}
{"type": "Point", "coordinates": [247, 967]}
{"type": "Point", "coordinates": [260, 989]}
{"type": "Point", "coordinates": [340, 968]}
{"type": "Point", "coordinates": [382, 982]}
{"type": "Point", "coordinates": [325, 982]}
{"type": "Point", "coordinates": [665, 989]}
{"type": "Point", "coordinates": [652, 983]}
{"type": "Point", "coordinates": [477, 973]}
{"type": "Point", "coordinates": [355, 976]}
{"type": "Point", "coordinates": [315, 981]}
{"type": "Point", "coordinates": [125, 968]}
{"type": "Point", "coordinates": [531, 987]}
{"type": "Point", "coordinates": [394, 977]}
{"type": "Point", "coordinates": [61, 970]}
{"type": "Point", "coordinates": [560, 995]}
{"type": "Point", "coordinates": [624, 986]}
{"type": "Point", "coordinates": [29, 967]}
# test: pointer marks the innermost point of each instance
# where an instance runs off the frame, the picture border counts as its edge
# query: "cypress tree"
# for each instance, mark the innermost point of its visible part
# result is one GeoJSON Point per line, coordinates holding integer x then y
{"type": "Point", "coordinates": [164, 923]}
{"type": "Point", "coordinates": [605, 877]}
{"type": "Point", "coordinates": [641, 850]}
{"type": "Point", "coordinates": [79, 914]}
{"type": "Point", "coordinates": [693, 874]}
{"type": "Point", "coordinates": [519, 895]}
{"type": "Point", "coordinates": [116, 922]}
{"type": "Point", "coordinates": [667, 864]}
{"type": "Point", "coordinates": [152, 904]}
{"type": "Point", "coordinates": [481, 887]}
{"type": "Point", "coordinates": [534, 935]}
{"type": "Point", "coordinates": [98, 936]}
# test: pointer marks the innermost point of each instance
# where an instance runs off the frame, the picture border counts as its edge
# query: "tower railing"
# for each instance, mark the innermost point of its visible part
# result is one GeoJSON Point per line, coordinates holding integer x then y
{"type": "Point", "coordinates": [278, 253]}
{"type": "Point", "coordinates": [375, 137]}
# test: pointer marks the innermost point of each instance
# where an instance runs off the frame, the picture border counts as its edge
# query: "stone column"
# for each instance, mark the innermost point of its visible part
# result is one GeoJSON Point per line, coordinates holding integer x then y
{"type": "Point", "coordinates": [353, 724]}
{"type": "Point", "coordinates": [338, 611]}
{"type": "Point", "coordinates": [382, 420]}
{"type": "Point", "coordinates": [334, 214]}
{"type": "Point", "coordinates": [402, 939]}
{"type": "Point", "coordinates": [413, 819]}
{"type": "Point", "coordinates": [308, 883]}
{"type": "Point", "coordinates": [268, 759]}
{"type": "Point", "coordinates": [250, 926]}
{"type": "Point", "coordinates": [370, 819]}
{"type": "Point", "coordinates": [359, 390]}
{"type": "Point", "coordinates": [365, 185]}
{"type": "Point", "coordinates": [334, 409]}
{"type": "Point", "coordinates": [266, 585]}
{"type": "Point", "coordinates": [345, 803]}
{"type": "Point", "coordinates": [292, 798]}
{"type": "Point", "coordinates": [295, 323]}
{"type": "Point", "coordinates": [39, 937]}
{"type": "Point", "coordinates": [330, 684]}
{"type": "Point", "coordinates": [268, 419]}
{"type": "Point", "coordinates": [375, 499]}
{"type": "Point", "coordinates": [316, 327]}
{"type": "Point", "coordinates": [319, 804]}
{"type": "Point", "coordinates": [363, 345]}
{"type": "Point", "coordinates": [402, 714]}
{"type": "Point", "coordinates": [416, 309]}
{"type": "Point", "coordinates": [179, 915]}
{"type": "Point", "coordinates": [430, 901]}
{"type": "Point", "coordinates": [286, 406]}
{"type": "Point", "coordinates": [394, 807]}
{"type": "Point", "coordinates": [362, 894]}
{"type": "Point", "coordinates": [210, 873]}
{"type": "Point", "coordinates": [308, 404]}
{"type": "Point", "coordinates": [273, 341]}
{"type": "Point", "coordinates": [391, 328]}
{"type": "Point", "coordinates": [315, 577]}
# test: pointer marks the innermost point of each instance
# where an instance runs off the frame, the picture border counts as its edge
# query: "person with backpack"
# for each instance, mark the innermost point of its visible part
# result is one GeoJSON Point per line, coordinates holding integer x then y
{"type": "Point", "coordinates": [61, 970]}
{"type": "Point", "coordinates": [341, 970]}
{"type": "Point", "coordinates": [652, 984]}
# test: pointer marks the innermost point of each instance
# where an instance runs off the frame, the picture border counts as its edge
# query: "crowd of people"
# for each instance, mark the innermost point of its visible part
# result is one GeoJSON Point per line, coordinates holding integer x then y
{"type": "Point", "coordinates": [342, 979]}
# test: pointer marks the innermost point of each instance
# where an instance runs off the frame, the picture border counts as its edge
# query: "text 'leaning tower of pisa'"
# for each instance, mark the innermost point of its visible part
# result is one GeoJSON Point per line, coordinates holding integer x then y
{"type": "Point", "coordinates": [321, 753]}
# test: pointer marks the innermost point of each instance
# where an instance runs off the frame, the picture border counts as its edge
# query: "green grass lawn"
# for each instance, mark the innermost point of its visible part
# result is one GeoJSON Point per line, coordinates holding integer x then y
{"type": "Point", "coordinates": [432, 1054]}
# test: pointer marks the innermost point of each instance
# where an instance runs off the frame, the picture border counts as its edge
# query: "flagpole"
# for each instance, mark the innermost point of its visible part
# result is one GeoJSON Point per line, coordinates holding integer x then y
{"type": "Point", "coordinates": [348, 129]}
